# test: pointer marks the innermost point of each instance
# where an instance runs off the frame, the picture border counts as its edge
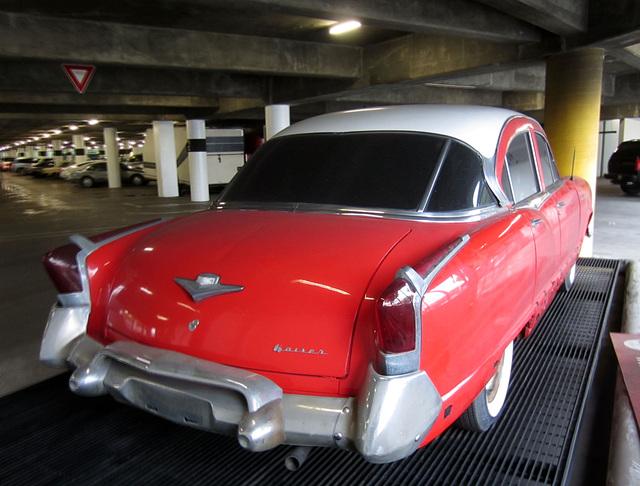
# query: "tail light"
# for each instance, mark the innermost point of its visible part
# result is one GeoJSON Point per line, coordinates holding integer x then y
{"type": "Point", "coordinates": [399, 311]}
{"type": "Point", "coordinates": [61, 263]}
{"type": "Point", "coordinates": [62, 268]}
{"type": "Point", "coordinates": [638, 164]}
{"type": "Point", "coordinates": [397, 318]}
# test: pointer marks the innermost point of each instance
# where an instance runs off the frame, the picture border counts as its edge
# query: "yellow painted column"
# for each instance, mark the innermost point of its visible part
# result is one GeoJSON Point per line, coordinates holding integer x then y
{"type": "Point", "coordinates": [572, 114]}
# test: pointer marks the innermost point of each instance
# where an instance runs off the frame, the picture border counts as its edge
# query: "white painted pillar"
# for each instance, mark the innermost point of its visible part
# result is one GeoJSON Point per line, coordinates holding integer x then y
{"type": "Point", "coordinates": [198, 172]}
{"type": "Point", "coordinates": [277, 118]}
{"type": "Point", "coordinates": [57, 151]}
{"type": "Point", "coordinates": [166, 167]}
{"type": "Point", "coordinates": [29, 151]}
{"type": "Point", "coordinates": [113, 160]}
{"type": "Point", "coordinates": [80, 156]}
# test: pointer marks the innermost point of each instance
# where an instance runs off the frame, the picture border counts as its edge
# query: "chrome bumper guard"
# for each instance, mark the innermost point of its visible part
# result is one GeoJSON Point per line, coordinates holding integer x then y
{"type": "Point", "coordinates": [386, 422]}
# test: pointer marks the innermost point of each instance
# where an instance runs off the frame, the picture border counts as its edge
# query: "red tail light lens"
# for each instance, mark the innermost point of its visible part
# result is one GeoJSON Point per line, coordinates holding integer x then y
{"type": "Point", "coordinates": [638, 163]}
{"type": "Point", "coordinates": [396, 318]}
{"type": "Point", "coordinates": [62, 268]}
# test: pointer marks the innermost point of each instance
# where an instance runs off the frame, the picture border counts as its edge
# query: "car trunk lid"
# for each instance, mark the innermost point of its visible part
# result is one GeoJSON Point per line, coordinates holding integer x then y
{"type": "Point", "coordinates": [302, 276]}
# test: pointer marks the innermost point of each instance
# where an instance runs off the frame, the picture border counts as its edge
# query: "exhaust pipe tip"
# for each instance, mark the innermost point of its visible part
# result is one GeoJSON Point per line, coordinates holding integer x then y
{"type": "Point", "coordinates": [298, 455]}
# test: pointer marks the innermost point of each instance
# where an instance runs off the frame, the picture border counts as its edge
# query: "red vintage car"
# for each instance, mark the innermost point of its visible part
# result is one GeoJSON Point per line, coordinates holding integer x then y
{"type": "Point", "coordinates": [359, 284]}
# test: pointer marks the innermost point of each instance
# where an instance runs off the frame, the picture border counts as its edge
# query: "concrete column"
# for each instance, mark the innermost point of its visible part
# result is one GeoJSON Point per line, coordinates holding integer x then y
{"type": "Point", "coordinates": [29, 151]}
{"type": "Point", "coordinates": [166, 167]}
{"type": "Point", "coordinates": [572, 115]}
{"type": "Point", "coordinates": [57, 151]}
{"type": "Point", "coordinates": [277, 118]}
{"type": "Point", "coordinates": [80, 156]}
{"type": "Point", "coordinates": [113, 161]}
{"type": "Point", "coordinates": [198, 173]}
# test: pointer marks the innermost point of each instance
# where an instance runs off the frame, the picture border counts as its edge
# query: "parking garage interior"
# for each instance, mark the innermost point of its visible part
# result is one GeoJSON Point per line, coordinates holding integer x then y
{"type": "Point", "coordinates": [257, 65]}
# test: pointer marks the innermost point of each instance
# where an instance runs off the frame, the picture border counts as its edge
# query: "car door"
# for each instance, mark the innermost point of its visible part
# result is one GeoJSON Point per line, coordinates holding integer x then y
{"type": "Point", "coordinates": [565, 200]}
{"type": "Point", "coordinates": [538, 207]}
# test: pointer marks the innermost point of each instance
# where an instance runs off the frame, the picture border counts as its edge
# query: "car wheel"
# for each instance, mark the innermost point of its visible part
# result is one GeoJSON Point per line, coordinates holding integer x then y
{"type": "Point", "coordinates": [488, 405]}
{"type": "Point", "coordinates": [87, 181]}
{"type": "Point", "coordinates": [136, 180]}
{"type": "Point", "coordinates": [631, 188]}
{"type": "Point", "coordinates": [570, 279]}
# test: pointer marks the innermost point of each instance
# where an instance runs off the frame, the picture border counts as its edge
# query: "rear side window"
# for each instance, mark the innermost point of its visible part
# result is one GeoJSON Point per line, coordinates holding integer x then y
{"type": "Point", "coordinates": [549, 169]}
{"type": "Point", "coordinates": [519, 163]}
{"type": "Point", "coordinates": [460, 184]}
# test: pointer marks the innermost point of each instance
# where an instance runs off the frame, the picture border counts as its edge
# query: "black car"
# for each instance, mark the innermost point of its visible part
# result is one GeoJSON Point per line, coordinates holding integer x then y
{"type": "Point", "coordinates": [624, 167]}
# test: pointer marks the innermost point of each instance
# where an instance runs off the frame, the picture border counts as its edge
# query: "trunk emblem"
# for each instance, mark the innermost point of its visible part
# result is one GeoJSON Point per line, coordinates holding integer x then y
{"type": "Point", "coordinates": [205, 286]}
{"type": "Point", "coordinates": [279, 349]}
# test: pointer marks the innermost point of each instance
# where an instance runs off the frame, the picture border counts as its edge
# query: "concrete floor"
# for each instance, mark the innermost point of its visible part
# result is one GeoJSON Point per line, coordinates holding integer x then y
{"type": "Point", "coordinates": [37, 215]}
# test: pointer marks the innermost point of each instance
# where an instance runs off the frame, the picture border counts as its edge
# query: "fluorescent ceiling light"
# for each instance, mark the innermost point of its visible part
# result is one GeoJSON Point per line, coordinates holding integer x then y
{"type": "Point", "coordinates": [73, 127]}
{"type": "Point", "coordinates": [93, 122]}
{"type": "Point", "coordinates": [343, 27]}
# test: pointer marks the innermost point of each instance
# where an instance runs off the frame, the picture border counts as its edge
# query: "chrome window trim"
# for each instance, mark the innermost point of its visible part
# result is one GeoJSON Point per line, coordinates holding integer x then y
{"type": "Point", "coordinates": [434, 177]}
{"type": "Point", "coordinates": [535, 201]}
{"type": "Point", "coordinates": [477, 214]}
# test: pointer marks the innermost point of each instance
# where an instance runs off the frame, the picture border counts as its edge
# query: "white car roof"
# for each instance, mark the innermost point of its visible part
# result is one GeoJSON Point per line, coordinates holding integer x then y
{"type": "Point", "coordinates": [477, 126]}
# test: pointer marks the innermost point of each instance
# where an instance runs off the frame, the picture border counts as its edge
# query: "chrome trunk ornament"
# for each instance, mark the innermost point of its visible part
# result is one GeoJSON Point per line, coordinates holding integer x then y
{"type": "Point", "coordinates": [205, 286]}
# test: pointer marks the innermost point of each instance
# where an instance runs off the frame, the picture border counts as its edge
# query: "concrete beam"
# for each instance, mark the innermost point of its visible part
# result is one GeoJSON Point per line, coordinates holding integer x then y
{"type": "Point", "coordinates": [47, 39]}
{"type": "Point", "coordinates": [462, 18]}
{"type": "Point", "coordinates": [620, 111]}
{"type": "Point", "coordinates": [523, 102]}
{"type": "Point", "coordinates": [562, 17]}
{"type": "Point", "coordinates": [628, 55]}
{"type": "Point", "coordinates": [422, 56]}
{"type": "Point", "coordinates": [524, 79]}
{"type": "Point", "coordinates": [99, 100]}
{"type": "Point", "coordinates": [424, 94]}
{"type": "Point", "coordinates": [627, 89]}
{"type": "Point", "coordinates": [614, 24]}
{"type": "Point", "coordinates": [48, 77]}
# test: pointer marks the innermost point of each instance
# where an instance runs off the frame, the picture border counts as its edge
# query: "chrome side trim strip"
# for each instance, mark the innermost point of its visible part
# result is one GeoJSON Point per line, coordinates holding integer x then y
{"type": "Point", "coordinates": [86, 248]}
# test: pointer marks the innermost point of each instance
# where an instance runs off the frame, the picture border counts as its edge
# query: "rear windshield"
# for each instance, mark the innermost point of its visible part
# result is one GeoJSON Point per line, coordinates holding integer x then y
{"type": "Point", "coordinates": [390, 170]}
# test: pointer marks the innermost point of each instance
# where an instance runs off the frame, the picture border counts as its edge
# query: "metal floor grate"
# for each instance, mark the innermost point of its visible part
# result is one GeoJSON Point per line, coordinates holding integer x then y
{"type": "Point", "coordinates": [50, 436]}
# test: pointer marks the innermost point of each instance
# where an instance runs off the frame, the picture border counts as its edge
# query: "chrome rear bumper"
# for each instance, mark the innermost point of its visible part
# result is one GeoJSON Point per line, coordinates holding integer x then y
{"type": "Point", "coordinates": [386, 421]}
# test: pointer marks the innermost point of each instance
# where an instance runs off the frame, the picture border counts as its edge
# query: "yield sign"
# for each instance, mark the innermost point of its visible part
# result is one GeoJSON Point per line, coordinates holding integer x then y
{"type": "Point", "coordinates": [79, 75]}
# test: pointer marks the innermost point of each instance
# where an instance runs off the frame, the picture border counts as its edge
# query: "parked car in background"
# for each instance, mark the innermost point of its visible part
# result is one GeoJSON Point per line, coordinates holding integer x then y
{"type": "Point", "coordinates": [56, 169]}
{"type": "Point", "coordinates": [6, 162]}
{"type": "Point", "coordinates": [22, 165]}
{"type": "Point", "coordinates": [95, 173]}
{"type": "Point", "coordinates": [37, 169]}
{"type": "Point", "coordinates": [65, 173]}
{"type": "Point", "coordinates": [624, 167]}
{"type": "Point", "coordinates": [359, 284]}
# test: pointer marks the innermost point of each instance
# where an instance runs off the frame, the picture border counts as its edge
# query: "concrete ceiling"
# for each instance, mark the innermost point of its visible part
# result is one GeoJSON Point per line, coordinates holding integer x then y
{"type": "Point", "coordinates": [224, 61]}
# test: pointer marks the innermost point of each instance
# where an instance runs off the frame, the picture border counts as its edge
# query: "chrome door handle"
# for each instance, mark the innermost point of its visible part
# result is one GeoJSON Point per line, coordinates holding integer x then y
{"type": "Point", "coordinates": [536, 222]}
{"type": "Point", "coordinates": [561, 204]}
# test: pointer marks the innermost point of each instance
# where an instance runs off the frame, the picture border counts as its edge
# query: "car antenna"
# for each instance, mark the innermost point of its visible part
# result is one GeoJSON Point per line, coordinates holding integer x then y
{"type": "Point", "coordinates": [573, 163]}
